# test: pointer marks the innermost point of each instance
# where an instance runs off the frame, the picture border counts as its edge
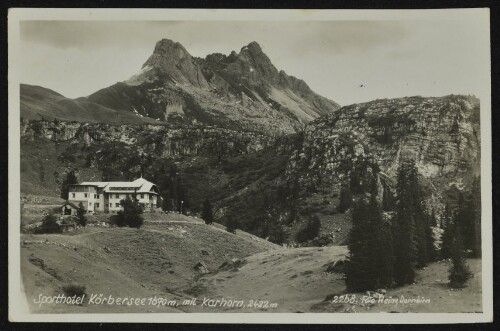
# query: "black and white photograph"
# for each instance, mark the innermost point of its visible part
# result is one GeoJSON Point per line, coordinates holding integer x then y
{"type": "Point", "coordinates": [165, 164]}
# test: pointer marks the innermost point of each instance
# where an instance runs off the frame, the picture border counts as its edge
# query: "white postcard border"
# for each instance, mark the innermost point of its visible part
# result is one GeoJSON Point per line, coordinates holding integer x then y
{"type": "Point", "coordinates": [18, 308]}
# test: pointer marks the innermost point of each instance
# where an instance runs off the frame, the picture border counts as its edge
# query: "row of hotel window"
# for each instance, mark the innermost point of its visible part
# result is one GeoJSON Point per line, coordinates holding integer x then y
{"type": "Point", "coordinates": [111, 205]}
{"type": "Point", "coordinates": [96, 196]}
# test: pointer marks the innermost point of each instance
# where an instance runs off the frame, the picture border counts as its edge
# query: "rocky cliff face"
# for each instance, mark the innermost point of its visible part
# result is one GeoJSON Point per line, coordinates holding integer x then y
{"type": "Point", "coordinates": [161, 140]}
{"type": "Point", "coordinates": [239, 91]}
{"type": "Point", "coordinates": [442, 135]}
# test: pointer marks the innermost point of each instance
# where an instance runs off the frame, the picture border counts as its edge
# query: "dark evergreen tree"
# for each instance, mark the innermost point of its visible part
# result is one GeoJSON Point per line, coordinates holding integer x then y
{"type": "Point", "coordinates": [345, 199]}
{"type": "Point", "coordinates": [183, 203]}
{"type": "Point", "coordinates": [386, 260]}
{"type": "Point", "coordinates": [311, 230]}
{"type": "Point", "coordinates": [371, 260]}
{"type": "Point", "coordinates": [206, 213]}
{"type": "Point", "coordinates": [379, 245]}
{"type": "Point", "coordinates": [388, 200]}
{"type": "Point", "coordinates": [69, 179]}
{"type": "Point", "coordinates": [448, 233]}
{"type": "Point", "coordinates": [277, 234]}
{"type": "Point", "coordinates": [81, 220]}
{"type": "Point", "coordinates": [459, 272]}
{"type": "Point", "coordinates": [464, 220]}
{"type": "Point", "coordinates": [357, 277]}
{"type": "Point", "coordinates": [292, 201]}
{"type": "Point", "coordinates": [166, 203]}
{"type": "Point", "coordinates": [431, 224]}
{"type": "Point", "coordinates": [476, 214]}
{"type": "Point", "coordinates": [405, 248]}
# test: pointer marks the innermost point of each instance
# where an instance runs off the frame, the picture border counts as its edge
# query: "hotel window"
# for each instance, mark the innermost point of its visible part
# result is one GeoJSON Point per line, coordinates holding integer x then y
{"type": "Point", "coordinates": [97, 196]}
{"type": "Point", "coordinates": [142, 196]}
{"type": "Point", "coordinates": [72, 195]}
{"type": "Point", "coordinates": [85, 194]}
{"type": "Point", "coordinates": [117, 196]}
{"type": "Point", "coordinates": [97, 205]}
{"type": "Point", "coordinates": [117, 205]}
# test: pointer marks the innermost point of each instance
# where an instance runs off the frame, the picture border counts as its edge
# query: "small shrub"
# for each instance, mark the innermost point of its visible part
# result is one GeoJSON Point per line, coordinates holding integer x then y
{"type": "Point", "coordinates": [49, 225]}
{"type": "Point", "coordinates": [74, 289]}
{"type": "Point", "coordinates": [311, 230]}
{"type": "Point", "coordinates": [231, 225]}
{"type": "Point", "coordinates": [130, 215]}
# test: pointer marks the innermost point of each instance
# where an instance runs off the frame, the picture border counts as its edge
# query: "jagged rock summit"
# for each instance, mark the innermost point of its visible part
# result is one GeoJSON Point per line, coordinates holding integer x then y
{"type": "Point", "coordinates": [172, 59]}
{"type": "Point", "coordinates": [242, 91]}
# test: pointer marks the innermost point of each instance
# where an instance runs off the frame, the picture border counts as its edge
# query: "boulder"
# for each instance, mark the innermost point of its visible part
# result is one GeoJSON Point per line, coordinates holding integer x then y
{"type": "Point", "coordinates": [201, 268]}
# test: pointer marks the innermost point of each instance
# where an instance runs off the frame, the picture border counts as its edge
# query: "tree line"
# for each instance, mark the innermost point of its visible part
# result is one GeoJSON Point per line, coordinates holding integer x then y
{"type": "Point", "coordinates": [386, 252]}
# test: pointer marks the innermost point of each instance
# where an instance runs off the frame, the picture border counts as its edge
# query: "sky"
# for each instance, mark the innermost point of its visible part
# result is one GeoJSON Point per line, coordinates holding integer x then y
{"type": "Point", "coordinates": [345, 61]}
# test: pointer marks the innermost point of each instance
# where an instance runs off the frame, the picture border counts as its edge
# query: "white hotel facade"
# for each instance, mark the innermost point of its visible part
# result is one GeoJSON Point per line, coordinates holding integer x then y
{"type": "Point", "coordinates": [105, 197]}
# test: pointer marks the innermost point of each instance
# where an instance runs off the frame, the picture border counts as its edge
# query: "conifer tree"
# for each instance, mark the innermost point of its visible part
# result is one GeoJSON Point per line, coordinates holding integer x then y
{"type": "Point", "coordinates": [386, 261]}
{"type": "Point", "coordinates": [67, 181]}
{"type": "Point", "coordinates": [388, 200]}
{"type": "Point", "coordinates": [371, 257]}
{"type": "Point", "coordinates": [476, 214]}
{"type": "Point", "coordinates": [345, 199]}
{"type": "Point", "coordinates": [80, 215]}
{"type": "Point", "coordinates": [448, 233]}
{"type": "Point", "coordinates": [166, 203]}
{"type": "Point", "coordinates": [357, 277]}
{"type": "Point", "coordinates": [206, 213]}
{"type": "Point", "coordinates": [277, 234]}
{"type": "Point", "coordinates": [431, 224]}
{"type": "Point", "coordinates": [381, 248]}
{"type": "Point", "coordinates": [459, 272]}
{"type": "Point", "coordinates": [405, 250]}
{"type": "Point", "coordinates": [311, 230]}
{"type": "Point", "coordinates": [463, 220]}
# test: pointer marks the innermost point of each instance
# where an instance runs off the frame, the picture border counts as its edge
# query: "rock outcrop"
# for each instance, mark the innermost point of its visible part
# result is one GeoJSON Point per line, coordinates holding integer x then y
{"type": "Point", "coordinates": [158, 139]}
{"type": "Point", "coordinates": [442, 135]}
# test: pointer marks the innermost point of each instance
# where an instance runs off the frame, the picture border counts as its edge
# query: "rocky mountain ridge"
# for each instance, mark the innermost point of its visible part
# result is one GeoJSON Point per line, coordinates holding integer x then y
{"type": "Point", "coordinates": [442, 136]}
{"type": "Point", "coordinates": [161, 140]}
{"type": "Point", "coordinates": [239, 91]}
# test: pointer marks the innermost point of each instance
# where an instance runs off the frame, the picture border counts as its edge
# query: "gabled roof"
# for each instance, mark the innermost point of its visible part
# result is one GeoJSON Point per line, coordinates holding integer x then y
{"type": "Point", "coordinates": [140, 185]}
{"type": "Point", "coordinates": [98, 184]}
{"type": "Point", "coordinates": [70, 203]}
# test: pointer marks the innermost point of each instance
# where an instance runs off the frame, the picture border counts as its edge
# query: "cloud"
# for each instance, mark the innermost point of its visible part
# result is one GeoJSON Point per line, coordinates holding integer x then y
{"type": "Point", "coordinates": [331, 36]}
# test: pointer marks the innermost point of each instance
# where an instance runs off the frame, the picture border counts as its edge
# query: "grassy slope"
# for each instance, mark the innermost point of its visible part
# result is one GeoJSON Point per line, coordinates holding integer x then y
{"type": "Point", "coordinates": [292, 278]}
{"type": "Point", "coordinates": [40, 103]}
{"type": "Point", "coordinates": [157, 259]}
{"type": "Point", "coordinates": [430, 283]}
{"type": "Point", "coordinates": [296, 280]}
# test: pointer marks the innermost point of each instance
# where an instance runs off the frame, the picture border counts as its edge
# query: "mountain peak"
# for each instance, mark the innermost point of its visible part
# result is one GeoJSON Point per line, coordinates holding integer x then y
{"type": "Point", "coordinates": [167, 52]}
{"type": "Point", "coordinates": [254, 46]}
{"type": "Point", "coordinates": [171, 59]}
